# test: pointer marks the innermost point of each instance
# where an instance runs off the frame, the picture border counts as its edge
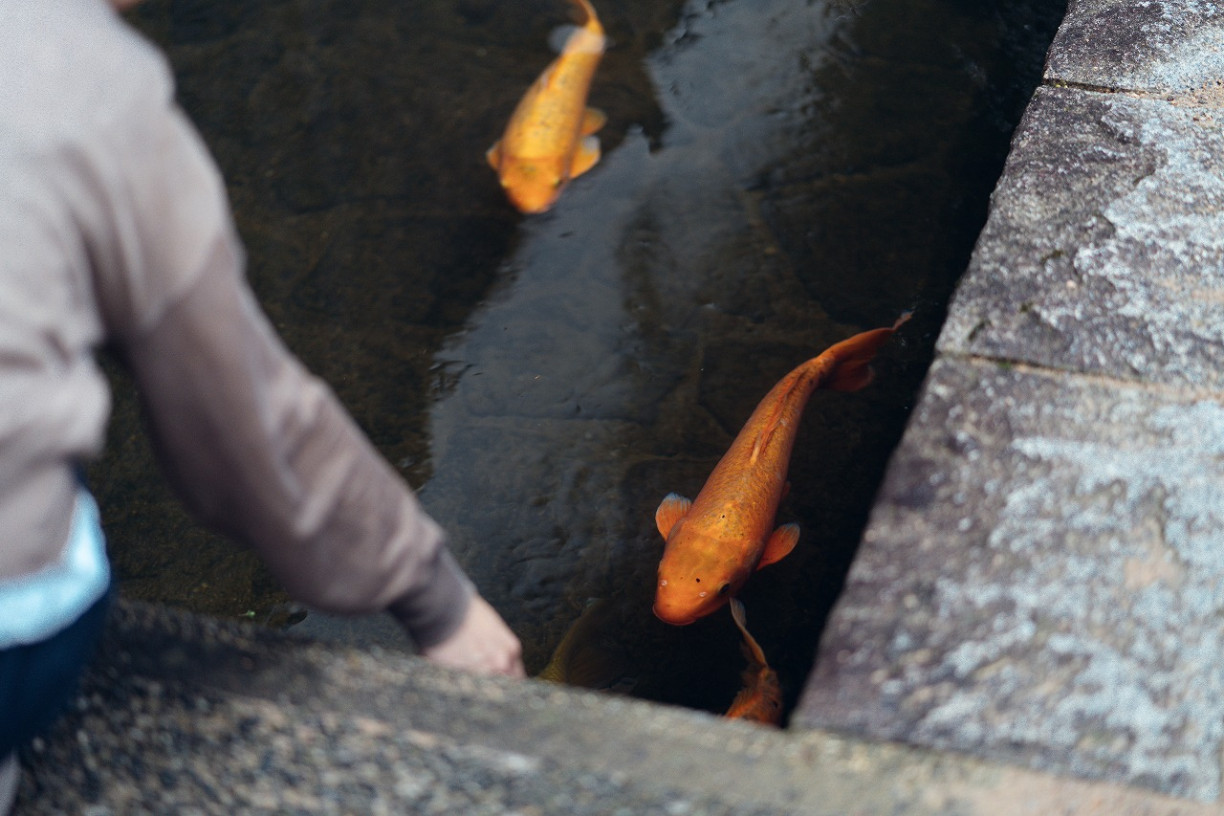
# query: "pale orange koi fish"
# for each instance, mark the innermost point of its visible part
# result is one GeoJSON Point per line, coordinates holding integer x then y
{"type": "Point", "coordinates": [549, 139]}
{"type": "Point", "coordinates": [588, 657]}
{"type": "Point", "coordinates": [715, 542]}
{"type": "Point", "coordinates": [760, 700]}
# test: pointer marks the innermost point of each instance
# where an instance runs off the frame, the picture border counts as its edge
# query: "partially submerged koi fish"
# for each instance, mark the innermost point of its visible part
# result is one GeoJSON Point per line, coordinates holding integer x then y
{"type": "Point", "coordinates": [586, 657]}
{"type": "Point", "coordinates": [715, 542]}
{"type": "Point", "coordinates": [760, 700]}
{"type": "Point", "coordinates": [549, 139]}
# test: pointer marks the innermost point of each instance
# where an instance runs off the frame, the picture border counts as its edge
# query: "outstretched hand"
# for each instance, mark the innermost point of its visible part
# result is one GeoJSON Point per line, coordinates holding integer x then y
{"type": "Point", "coordinates": [482, 644]}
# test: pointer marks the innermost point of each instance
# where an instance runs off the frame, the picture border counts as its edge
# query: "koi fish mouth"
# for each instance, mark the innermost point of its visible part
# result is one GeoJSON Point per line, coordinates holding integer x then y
{"type": "Point", "coordinates": [673, 617]}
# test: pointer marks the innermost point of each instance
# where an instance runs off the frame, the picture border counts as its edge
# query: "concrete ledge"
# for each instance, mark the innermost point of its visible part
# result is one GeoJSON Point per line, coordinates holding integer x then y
{"type": "Point", "coordinates": [188, 715]}
{"type": "Point", "coordinates": [1039, 581]}
{"type": "Point", "coordinates": [1166, 47]}
{"type": "Point", "coordinates": [1103, 253]}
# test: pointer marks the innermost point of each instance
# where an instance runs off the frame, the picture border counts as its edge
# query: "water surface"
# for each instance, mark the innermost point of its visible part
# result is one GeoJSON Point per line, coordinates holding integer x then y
{"type": "Point", "coordinates": [777, 175]}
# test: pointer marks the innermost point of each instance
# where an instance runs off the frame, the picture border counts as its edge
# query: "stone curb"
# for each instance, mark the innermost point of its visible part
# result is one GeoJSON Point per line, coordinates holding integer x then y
{"type": "Point", "coordinates": [190, 715]}
{"type": "Point", "coordinates": [1039, 579]}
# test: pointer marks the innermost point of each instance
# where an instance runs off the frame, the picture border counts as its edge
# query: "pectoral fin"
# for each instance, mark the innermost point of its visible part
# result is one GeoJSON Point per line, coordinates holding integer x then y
{"type": "Point", "coordinates": [559, 38]}
{"type": "Point", "coordinates": [671, 510]}
{"type": "Point", "coordinates": [493, 155]}
{"type": "Point", "coordinates": [779, 545]}
{"type": "Point", "coordinates": [592, 121]}
{"type": "Point", "coordinates": [585, 156]}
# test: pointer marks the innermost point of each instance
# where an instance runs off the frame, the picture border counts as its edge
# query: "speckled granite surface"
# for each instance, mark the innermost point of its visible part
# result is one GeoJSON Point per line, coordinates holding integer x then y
{"type": "Point", "coordinates": [1158, 46]}
{"type": "Point", "coordinates": [1039, 581]}
{"type": "Point", "coordinates": [1104, 253]}
{"type": "Point", "coordinates": [189, 715]}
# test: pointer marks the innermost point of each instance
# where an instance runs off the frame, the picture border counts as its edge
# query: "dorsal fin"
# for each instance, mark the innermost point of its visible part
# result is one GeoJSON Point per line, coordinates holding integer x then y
{"type": "Point", "coordinates": [799, 378]}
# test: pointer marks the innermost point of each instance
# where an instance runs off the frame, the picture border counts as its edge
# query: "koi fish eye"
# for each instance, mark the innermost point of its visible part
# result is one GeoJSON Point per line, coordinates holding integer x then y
{"type": "Point", "coordinates": [724, 589]}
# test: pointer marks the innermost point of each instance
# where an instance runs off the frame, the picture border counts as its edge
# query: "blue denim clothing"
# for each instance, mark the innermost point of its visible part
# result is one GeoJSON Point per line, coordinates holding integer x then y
{"type": "Point", "coordinates": [38, 680]}
{"type": "Point", "coordinates": [34, 607]}
{"type": "Point", "coordinates": [50, 623]}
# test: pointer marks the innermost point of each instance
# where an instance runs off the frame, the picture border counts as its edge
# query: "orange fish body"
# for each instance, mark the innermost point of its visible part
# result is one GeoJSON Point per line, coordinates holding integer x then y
{"type": "Point", "coordinates": [587, 657]}
{"type": "Point", "coordinates": [760, 700]}
{"type": "Point", "coordinates": [716, 541]}
{"type": "Point", "coordinates": [549, 139]}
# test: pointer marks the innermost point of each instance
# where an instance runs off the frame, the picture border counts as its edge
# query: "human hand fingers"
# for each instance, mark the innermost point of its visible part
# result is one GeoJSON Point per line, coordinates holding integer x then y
{"type": "Point", "coordinates": [483, 644]}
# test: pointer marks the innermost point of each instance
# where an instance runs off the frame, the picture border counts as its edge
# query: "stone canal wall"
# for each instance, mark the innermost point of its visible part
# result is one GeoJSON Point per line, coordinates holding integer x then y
{"type": "Point", "coordinates": [1040, 580]}
{"type": "Point", "coordinates": [1033, 622]}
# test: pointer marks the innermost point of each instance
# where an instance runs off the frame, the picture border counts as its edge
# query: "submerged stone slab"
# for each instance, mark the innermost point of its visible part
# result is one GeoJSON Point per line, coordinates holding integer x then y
{"type": "Point", "coordinates": [1104, 250]}
{"type": "Point", "coordinates": [1160, 46]}
{"type": "Point", "coordinates": [1040, 582]}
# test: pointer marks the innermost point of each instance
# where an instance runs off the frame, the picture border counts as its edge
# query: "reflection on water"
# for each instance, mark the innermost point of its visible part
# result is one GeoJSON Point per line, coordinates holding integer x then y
{"type": "Point", "coordinates": [777, 175]}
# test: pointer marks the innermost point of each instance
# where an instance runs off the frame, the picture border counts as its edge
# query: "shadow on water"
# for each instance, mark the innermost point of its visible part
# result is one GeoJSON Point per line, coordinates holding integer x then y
{"type": "Point", "coordinates": [777, 175]}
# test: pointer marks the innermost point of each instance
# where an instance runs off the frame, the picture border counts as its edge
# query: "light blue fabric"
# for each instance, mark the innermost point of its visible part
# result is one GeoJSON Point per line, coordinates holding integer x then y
{"type": "Point", "coordinates": [34, 607]}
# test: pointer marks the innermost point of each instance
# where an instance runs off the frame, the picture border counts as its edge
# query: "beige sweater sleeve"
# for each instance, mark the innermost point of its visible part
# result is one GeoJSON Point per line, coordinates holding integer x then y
{"type": "Point", "coordinates": [255, 445]}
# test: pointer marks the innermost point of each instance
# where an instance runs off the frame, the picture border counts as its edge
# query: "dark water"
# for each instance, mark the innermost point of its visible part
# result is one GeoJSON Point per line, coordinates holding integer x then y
{"type": "Point", "coordinates": [777, 174]}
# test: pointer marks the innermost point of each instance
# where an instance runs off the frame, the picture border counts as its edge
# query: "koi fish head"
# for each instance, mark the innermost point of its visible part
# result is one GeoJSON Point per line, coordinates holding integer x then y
{"type": "Point", "coordinates": [532, 185]}
{"type": "Point", "coordinates": [691, 583]}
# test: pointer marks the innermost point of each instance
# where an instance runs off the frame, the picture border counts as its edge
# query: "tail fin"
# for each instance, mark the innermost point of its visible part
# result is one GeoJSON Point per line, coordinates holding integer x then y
{"type": "Point", "coordinates": [585, 36]}
{"type": "Point", "coordinates": [585, 14]}
{"type": "Point", "coordinates": [850, 360]}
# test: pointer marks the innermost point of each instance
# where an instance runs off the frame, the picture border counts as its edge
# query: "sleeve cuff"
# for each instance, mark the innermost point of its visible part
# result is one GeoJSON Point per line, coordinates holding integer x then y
{"type": "Point", "coordinates": [434, 610]}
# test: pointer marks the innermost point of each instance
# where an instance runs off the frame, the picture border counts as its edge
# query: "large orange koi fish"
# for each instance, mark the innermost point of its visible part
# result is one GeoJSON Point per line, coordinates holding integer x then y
{"type": "Point", "coordinates": [549, 139]}
{"type": "Point", "coordinates": [715, 542]}
{"type": "Point", "coordinates": [760, 700]}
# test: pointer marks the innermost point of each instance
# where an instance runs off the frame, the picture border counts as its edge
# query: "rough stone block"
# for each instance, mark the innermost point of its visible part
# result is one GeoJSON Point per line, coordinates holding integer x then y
{"type": "Point", "coordinates": [1104, 250]}
{"type": "Point", "coordinates": [1040, 582]}
{"type": "Point", "coordinates": [1160, 46]}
